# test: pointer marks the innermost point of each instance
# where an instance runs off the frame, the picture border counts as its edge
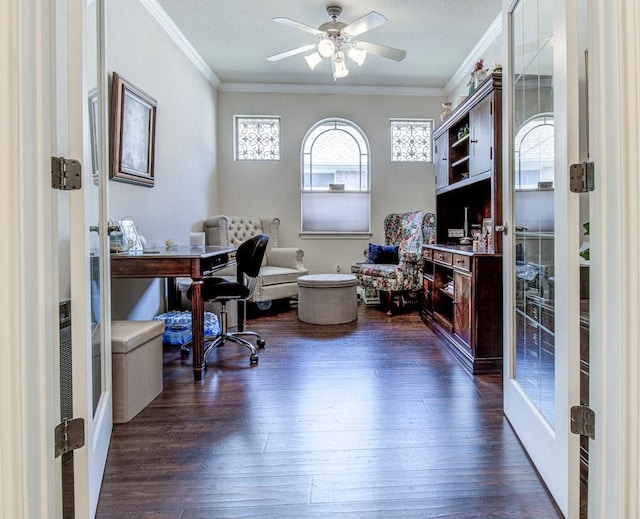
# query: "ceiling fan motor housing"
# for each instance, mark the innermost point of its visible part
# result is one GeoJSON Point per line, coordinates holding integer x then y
{"type": "Point", "coordinates": [334, 11]}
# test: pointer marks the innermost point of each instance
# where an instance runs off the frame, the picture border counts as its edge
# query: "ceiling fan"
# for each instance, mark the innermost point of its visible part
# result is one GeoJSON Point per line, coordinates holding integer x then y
{"type": "Point", "coordinates": [336, 40]}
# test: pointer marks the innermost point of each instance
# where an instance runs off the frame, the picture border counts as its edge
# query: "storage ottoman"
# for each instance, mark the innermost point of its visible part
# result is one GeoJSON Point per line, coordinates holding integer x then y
{"type": "Point", "coordinates": [327, 298]}
{"type": "Point", "coordinates": [136, 353]}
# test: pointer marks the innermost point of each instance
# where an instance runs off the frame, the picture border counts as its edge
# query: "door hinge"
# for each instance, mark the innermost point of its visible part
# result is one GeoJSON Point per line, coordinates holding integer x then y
{"type": "Point", "coordinates": [583, 421]}
{"type": "Point", "coordinates": [69, 435]}
{"type": "Point", "coordinates": [582, 177]}
{"type": "Point", "coordinates": [66, 174]}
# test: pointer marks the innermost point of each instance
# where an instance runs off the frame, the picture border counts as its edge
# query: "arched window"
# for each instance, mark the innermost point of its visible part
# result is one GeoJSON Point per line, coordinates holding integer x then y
{"type": "Point", "coordinates": [335, 183]}
{"type": "Point", "coordinates": [534, 153]}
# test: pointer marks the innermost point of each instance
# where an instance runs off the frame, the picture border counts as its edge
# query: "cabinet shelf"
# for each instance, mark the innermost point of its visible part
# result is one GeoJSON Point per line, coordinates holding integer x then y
{"type": "Point", "coordinates": [464, 182]}
{"type": "Point", "coordinates": [460, 141]}
{"type": "Point", "coordinates": [445, 292]}
{"type": "Point", "coordinates": [458, 162]}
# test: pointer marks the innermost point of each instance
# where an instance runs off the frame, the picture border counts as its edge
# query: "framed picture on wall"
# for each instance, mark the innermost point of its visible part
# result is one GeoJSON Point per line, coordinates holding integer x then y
{"type": "Point", "coordinates": [133, 123]}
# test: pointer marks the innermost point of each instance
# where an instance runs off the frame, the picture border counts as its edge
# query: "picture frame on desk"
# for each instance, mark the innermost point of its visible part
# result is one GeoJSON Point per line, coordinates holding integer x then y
{"type": "Point", "coordinates": [133, 123]}
{"type": "Point", "coordinates": [487, 225]}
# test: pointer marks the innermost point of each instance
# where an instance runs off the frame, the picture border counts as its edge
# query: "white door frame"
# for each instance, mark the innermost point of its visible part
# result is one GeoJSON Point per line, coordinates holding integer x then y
{"type": "Point", "coordinates": [30, 481]}
{"type": "Point", "coordinates": [614, 459]}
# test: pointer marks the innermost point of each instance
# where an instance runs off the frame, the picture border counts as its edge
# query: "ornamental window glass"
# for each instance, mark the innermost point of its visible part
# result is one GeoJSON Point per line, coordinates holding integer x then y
{"type": "Point", "coordinates": [256, 137]}
{"type": "Point", "coordinates": [411, 140]}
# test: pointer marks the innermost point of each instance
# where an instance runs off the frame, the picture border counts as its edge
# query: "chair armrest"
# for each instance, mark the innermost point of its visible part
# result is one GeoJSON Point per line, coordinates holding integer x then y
{"type": "Point", "coordinates": [286, 257]}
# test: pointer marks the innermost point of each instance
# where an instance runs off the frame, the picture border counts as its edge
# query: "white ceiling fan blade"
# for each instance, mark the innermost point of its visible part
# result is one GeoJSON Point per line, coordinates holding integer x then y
{"type": "Point", "coordinates": [381, 50]}
{"type": "Point", "coordinates": [292, 52]}
{"type": "Point", "coordinates": [364, 23]}
{"type": "Point", "coordinates": [297, 25]}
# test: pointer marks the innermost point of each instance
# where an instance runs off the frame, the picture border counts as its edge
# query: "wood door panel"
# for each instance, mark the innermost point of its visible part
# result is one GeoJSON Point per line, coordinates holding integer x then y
{"type": "Point", "coordinates": [481, 122]}
{"type": "Point", "coordinates": [462, 310]}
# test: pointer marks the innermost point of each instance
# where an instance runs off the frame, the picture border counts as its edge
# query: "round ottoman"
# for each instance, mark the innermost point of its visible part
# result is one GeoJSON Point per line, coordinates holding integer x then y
{"type": "Point", "coordinates": [327, 298]}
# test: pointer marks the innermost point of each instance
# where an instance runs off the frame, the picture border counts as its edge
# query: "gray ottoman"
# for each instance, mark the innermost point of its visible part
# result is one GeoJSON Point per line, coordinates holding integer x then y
{"type": "Point", "coordinates": [327, 298]}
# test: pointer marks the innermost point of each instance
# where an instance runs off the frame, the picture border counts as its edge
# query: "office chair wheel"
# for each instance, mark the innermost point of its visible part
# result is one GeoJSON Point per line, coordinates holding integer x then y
{"type": "Point", "coordinates": [253, 359]}
{"type": "Point", "coordinates": [260, 343]}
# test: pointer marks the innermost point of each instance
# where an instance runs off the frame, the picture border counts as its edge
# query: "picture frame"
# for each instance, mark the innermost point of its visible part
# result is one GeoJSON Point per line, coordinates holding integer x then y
{"type": "Point", "coordinates": [487, 225]}
{"type": "Point", "coordinates": [131, 239]}
{"type": "Point", "coordinates": [133, 121]}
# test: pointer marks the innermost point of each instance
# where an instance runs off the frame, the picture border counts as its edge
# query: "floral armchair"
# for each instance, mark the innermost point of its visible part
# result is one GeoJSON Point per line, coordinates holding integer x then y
{"type": "Point", "coordinates": [407, 231]}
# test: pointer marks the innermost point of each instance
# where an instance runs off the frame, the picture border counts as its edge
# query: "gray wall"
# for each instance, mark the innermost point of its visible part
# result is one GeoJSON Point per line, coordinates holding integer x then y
{"type": "Point", "coordinates": [186, 176]}
{"type": "Point", "coordinates": [273, 188]}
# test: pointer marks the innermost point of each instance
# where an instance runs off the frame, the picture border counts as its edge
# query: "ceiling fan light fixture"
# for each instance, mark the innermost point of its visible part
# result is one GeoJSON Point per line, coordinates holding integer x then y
{"type": "Point", "coordinates": [357, 55]}
{"type": "Point", "coordinates": [313, 60]}
{"type": "Point", "coordinates": [340, 69]}
{"type": "Point", "coordinates": [326, 48]}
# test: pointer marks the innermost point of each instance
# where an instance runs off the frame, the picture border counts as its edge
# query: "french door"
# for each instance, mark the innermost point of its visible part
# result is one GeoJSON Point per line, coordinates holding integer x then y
{"type": "Point", "coordinates": [542, 240]}
{"type": "Point", "coordinates": [88, 262]}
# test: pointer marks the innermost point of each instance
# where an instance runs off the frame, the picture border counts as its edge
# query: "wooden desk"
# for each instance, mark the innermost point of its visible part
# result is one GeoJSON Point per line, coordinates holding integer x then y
{"type": "Point", "coordinates": [180, 262]}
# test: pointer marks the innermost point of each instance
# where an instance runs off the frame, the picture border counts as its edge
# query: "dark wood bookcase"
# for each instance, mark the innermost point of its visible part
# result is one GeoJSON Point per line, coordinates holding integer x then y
{"type": "Point", "coordinates": [462, 300]}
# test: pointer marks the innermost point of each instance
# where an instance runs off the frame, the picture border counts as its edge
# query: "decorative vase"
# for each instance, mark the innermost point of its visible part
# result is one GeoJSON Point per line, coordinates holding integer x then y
{"type": "Point", "coordinates": [446, 110]}
{"type": "Point", "coordinates": [478, 77]}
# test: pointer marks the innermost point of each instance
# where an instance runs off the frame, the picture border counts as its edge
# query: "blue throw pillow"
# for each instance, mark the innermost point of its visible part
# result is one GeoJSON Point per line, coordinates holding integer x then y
{"type": "Point", "coordinates": [383, 254]}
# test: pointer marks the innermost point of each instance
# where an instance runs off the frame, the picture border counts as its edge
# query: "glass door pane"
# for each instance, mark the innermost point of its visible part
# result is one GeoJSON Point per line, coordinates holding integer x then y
{"type": "Point", "coordinates": [533, 199]}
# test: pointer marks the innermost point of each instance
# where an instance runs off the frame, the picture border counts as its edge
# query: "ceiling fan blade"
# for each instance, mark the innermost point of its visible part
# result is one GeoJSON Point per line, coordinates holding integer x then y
{"type": "Point", "coordinates": [297, 25]}
{"type": "Point", "coordinates": [364, 23]}
{"type": "Point", "coordinates": [293, 52]}
{"type": "Point", "coordinates": [381, 50]}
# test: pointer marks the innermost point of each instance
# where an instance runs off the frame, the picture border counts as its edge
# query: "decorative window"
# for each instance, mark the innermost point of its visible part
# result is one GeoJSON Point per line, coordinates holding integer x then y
{"type": "Point", "coordinates": [256, 137]}
{"type": "Point", "coordinates": [335, 179]}
{"type": "Point", "coordinates": [411, 140]}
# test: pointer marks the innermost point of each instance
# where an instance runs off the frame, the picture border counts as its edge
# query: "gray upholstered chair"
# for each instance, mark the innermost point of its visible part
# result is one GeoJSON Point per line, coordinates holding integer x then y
{"type": "Point", "coordinates": [281, 266]}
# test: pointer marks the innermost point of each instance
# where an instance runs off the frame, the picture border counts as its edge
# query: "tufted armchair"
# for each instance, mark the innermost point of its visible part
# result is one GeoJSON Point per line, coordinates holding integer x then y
{"type": "Point", "coordinates": [407, 231]}
{"type": "Point", "coordinates": [281, 266]}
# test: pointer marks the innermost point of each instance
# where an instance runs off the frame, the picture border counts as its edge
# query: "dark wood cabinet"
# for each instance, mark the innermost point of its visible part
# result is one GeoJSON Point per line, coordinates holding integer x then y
{"type": "Point", "coordinates": [468, 155]}
{"type": "Point", "coordinates": [462, 300]}
{"type": "Point", "coordinates": [463, 306]}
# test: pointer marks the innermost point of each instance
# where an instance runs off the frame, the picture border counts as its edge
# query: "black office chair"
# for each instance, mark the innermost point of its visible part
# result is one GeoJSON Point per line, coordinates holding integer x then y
{"type": "Point", "coordinates": [249, 258]}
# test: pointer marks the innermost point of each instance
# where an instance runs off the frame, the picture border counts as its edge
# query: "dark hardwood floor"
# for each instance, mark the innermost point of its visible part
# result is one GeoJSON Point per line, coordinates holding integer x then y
{"type": "Point", "coordinates": [373, 419]}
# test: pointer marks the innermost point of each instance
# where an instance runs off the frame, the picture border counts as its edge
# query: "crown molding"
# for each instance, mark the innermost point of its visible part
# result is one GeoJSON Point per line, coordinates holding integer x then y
{"type": "Point", "coordinates": [466, 67]}
{"type": "Point", "coordinates": [180, 40]}
{"type": "Point", "coordinates": [331, 89]}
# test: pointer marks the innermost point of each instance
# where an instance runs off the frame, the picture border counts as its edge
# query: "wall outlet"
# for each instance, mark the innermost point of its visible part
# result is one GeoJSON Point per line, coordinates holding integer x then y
{"type": "Point", "coordinates": [337, 269]}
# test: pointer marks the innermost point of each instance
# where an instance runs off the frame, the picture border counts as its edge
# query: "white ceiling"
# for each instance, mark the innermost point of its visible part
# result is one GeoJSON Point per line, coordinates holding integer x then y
{"type": "Point", "coordinates": [235, 37]}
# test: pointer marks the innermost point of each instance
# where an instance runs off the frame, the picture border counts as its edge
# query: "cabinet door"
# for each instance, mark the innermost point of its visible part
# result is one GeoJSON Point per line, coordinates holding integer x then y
{"type": "Point", "coordinates": [462, 306]}
{"type": "Point", "coordinates": [427, 302]}
{"type": "Point", "coordinates": [481, 143]}
{"type": "Point", "coordinates": [441, 159]}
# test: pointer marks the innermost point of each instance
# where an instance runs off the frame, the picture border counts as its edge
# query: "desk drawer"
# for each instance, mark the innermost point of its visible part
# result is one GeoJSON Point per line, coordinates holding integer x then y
{"type": "Point", "coordinates": [442, 257]}
{"type": "Point", "coordinates": [462, 262]}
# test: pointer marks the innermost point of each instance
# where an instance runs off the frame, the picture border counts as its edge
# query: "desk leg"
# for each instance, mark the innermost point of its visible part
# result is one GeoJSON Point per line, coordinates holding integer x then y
{"type": "Point", "coordinates": [197, 329]}
{"type": "Point", "coordinates": [173, 298]}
